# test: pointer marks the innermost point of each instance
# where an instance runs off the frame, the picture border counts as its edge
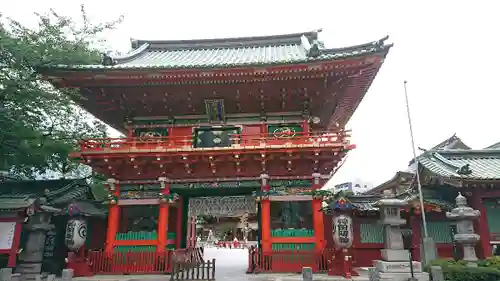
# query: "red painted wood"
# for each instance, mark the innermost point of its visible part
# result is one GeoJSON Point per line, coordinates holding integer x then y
{"type": "Point", "coordinates": [15, 244]}
{"type": "Point", "coordinates": [102, 262]}
{"type": "Point", "coordinates": [249, 131]}
{"type": "Point", "coordinates": [179, 224]}
{"type": "Point", "coordinates": [481, 225]}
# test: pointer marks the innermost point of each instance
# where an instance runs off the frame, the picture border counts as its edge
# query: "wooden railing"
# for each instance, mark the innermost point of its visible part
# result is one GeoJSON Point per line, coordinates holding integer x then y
{"type": "Point", "coordinates": [101, 262]}
{"type": "Point", "coordinates": [239, 140]}
{"type": "Point", "coordinates": [288, 261]}
{"type": "Point", "coordinates": [144, 262]}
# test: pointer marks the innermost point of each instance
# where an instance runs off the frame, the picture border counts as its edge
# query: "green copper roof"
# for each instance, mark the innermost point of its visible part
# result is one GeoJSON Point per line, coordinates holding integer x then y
{"type": "Point", "coordinates": [55, 191]}
{"type": "Point", "coordinates": [15, 202]}
{"type": "Point", "coordinates": [465, 164]}
{"type": "Point", "coordinates": [232, 52]}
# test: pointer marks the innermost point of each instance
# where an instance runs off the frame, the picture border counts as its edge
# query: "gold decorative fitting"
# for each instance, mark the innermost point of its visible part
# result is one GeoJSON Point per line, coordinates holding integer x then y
{"type": "Point", "coordinates": [112, 201]}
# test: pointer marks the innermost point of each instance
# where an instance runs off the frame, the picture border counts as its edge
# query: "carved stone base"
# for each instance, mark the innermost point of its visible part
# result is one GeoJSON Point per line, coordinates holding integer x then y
{"type": "Point", "coordinates": [397, 266]}
{"type": "Point", "coordinates": [393, 276]}
{"type": "Point", "coordinates": [397, 271]}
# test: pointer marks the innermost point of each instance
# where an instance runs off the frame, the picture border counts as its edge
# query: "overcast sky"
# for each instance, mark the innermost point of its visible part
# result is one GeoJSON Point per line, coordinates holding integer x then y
{"type": "Point", "coordinates": [447, 50]}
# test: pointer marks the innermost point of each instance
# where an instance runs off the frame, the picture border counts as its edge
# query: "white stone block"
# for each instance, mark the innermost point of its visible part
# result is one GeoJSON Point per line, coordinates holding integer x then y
{"type": "Point", "coordinates": [394, 276]}
{"type": "Point", "coordinates": [397, 266]}
{"type": "Point", "coordinates": [395, 255]}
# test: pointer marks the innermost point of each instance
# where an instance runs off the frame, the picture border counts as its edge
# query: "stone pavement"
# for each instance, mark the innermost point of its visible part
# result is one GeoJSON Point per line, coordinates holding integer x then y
{"type": "Point", "coordinates": [230, 265]}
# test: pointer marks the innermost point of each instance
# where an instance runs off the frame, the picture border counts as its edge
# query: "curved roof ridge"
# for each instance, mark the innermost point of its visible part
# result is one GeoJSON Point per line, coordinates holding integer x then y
{"type": "Point", "coordinates": [443, 160]}
{"type": "Point", "coordinates": [377, 43]}
{"type": "Point", "coordinates": [234, 42]}
{"type": "Point", "coordinates": [132, 54]}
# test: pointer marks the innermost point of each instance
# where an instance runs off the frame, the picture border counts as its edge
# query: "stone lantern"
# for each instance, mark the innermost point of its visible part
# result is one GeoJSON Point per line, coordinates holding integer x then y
{"type": "Point", "coordinates": [464, 217]}
{"type": "Point", "coordinates": [395, 264]}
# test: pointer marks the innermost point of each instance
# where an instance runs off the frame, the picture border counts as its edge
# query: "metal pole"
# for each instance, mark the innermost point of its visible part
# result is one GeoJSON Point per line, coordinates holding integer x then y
{"type": "Point", "coordinates": [412, 271]}
{"type": "Point", "coordinates": [417, 173]}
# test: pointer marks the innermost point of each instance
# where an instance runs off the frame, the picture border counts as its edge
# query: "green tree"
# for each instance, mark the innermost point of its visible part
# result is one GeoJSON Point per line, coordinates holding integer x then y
{"type": "Point", "coordinates": [39, 125]}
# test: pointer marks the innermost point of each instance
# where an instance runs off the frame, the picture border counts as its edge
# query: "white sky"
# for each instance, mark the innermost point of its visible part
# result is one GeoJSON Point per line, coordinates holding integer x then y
{"type": "Point", "coordinates": [445, 49]}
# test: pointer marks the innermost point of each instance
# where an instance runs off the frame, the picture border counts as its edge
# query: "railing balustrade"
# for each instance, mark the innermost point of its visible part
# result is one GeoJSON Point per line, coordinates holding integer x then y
{"type": "Point", "coordinates": [238, 141]}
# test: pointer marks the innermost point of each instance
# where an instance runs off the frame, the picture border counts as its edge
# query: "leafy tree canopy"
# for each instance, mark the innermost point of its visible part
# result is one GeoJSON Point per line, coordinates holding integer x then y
{"type": "Point", "coordinates": [39, 125]}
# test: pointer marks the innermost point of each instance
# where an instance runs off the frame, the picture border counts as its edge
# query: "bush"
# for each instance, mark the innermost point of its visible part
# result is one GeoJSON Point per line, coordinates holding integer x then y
{"type": "Point", "coordinates": [487, 270]}
{"type": "Point", "coordinates": [464, 273]}
{"type": "Point", "coordinates": [492, 262]}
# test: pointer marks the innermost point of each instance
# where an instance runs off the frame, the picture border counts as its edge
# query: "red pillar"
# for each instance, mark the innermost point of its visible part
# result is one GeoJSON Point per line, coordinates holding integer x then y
{"type": "Point", "coordinates": [179, 224]}
{"type": "Point", "coordinates": [113, 216]}
{"type": "Point", "coordinates": [16, 240]}
{"type": "Point", "coordinates": [481, 226]}
{"type": "Point", "coordinates": [415, 224]}
{"type": "Point", "coordinates": [163, 217]}
{"type": "Point", "coordinates": [319, 225]}
{"type": "Point", "coordinates": [265, 212]}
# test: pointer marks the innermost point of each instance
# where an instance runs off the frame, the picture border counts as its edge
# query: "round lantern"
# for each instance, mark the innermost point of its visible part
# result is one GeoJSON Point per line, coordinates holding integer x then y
{"type": "Point", "coordinates": [76, 233]}
{"type": "Point", "coordinates": [342, 231]}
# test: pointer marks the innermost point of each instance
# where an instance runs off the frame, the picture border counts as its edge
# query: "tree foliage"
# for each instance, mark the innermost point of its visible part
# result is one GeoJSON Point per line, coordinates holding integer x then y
{"type": "Point", "coordinates": [39, 125]}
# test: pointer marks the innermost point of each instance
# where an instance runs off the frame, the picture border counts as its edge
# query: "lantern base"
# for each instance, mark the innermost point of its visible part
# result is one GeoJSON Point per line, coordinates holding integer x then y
{"type": "Point", "coordinates": [399, 271]}
{"type": "Point", "coordinates": [395, 255]}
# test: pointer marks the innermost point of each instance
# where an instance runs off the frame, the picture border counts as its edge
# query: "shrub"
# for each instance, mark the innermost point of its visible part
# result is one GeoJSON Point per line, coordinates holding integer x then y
{"type": "Point", "coordinates": [493, 262]}
{"type": "Point", "coordinates": [464, 273]}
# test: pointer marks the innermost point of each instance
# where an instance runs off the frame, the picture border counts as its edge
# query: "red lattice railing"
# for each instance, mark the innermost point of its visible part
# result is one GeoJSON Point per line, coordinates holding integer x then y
{"type": "Point", "coordinates": [339, 138]}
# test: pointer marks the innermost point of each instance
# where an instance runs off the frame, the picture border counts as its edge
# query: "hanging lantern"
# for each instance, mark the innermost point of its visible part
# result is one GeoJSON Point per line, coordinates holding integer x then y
{"type": "Point", "coordinates": [342, 231]}
{"type": "Point", "coordinates": [76, 234]}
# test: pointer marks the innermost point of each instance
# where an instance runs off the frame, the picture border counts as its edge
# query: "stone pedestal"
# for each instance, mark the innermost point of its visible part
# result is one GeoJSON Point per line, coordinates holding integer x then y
{"type": "Point", "coordinates": [395, 263]}
{"type": "Point", "coordinates": [30, 259]}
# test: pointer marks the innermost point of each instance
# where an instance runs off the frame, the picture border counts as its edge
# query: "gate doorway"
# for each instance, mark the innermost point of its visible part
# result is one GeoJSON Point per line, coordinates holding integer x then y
{"type": "Point", "coordinates": [222, 218]}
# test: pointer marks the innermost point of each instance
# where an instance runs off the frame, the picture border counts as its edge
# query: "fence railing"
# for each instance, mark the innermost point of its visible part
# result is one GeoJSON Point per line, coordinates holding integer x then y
{"type": "Point", "coordinates": [101, 262]}
{"type": "Point", "coordinates": [145, 262]}
{"type": "Point", "coordinates": [288, 261]}
{"type": "Point", "coordinates": [203, 271]}
{"type": "Point", "coordinates": [237, 140]}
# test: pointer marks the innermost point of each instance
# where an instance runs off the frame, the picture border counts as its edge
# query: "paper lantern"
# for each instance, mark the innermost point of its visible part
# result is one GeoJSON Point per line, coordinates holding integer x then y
{"type": "Point", "coordinates": [76, 233]}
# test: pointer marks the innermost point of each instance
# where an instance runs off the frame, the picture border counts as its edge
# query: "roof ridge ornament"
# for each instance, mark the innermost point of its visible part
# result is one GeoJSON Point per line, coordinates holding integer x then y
{"type": "Point", "coordinates": [315, 50]}
{"type": "Point", "coordinates": [464, 170]}
{"type": "Point", "coordinates": [107, 60]}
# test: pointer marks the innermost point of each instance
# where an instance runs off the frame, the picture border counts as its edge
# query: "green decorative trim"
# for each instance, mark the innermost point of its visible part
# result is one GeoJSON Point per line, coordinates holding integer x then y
{"type": "Point", "coordinates": [187, 122]}
{"type": "Point", "coordinates": [139, 187]}
{"type": "Point", "coordinates": [285, 131]}
{"type": "Point", "coordinates": [112, 199]}
{"type": "Point", "coordinates": [220, 136]}
{"type": "Point", "coordinates": [286, 191]}
{"type": "Point", "coordinates": [150, 132]}
{"type": "Point", "coordinates": [139, 194]}
{"type": "Point", "coordinates": [126, 249]}
{"type": "Point", "coordinates": [290, 183]}
{"type": "Point", "coordinates": [292, 247]}
{"type": "Point", "coordinates": [212, 185]}
{"type": "Point", "coordinates": [154, 122]}
{"type": "Point", "coordinates": [143, 235]}
{"type": "Point", "coordinates": [169, 198]}
{"type": "Point", "coordinates": [292, 233]}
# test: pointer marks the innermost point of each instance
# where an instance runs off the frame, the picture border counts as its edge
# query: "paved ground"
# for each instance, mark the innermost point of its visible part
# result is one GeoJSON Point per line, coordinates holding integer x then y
{"type": "Point", "coordinates": [231, 265]}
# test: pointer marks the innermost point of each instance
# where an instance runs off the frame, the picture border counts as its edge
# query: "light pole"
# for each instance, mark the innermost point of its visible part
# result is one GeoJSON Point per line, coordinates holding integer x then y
{"type": "Point", "coordinates": [429, 248]}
